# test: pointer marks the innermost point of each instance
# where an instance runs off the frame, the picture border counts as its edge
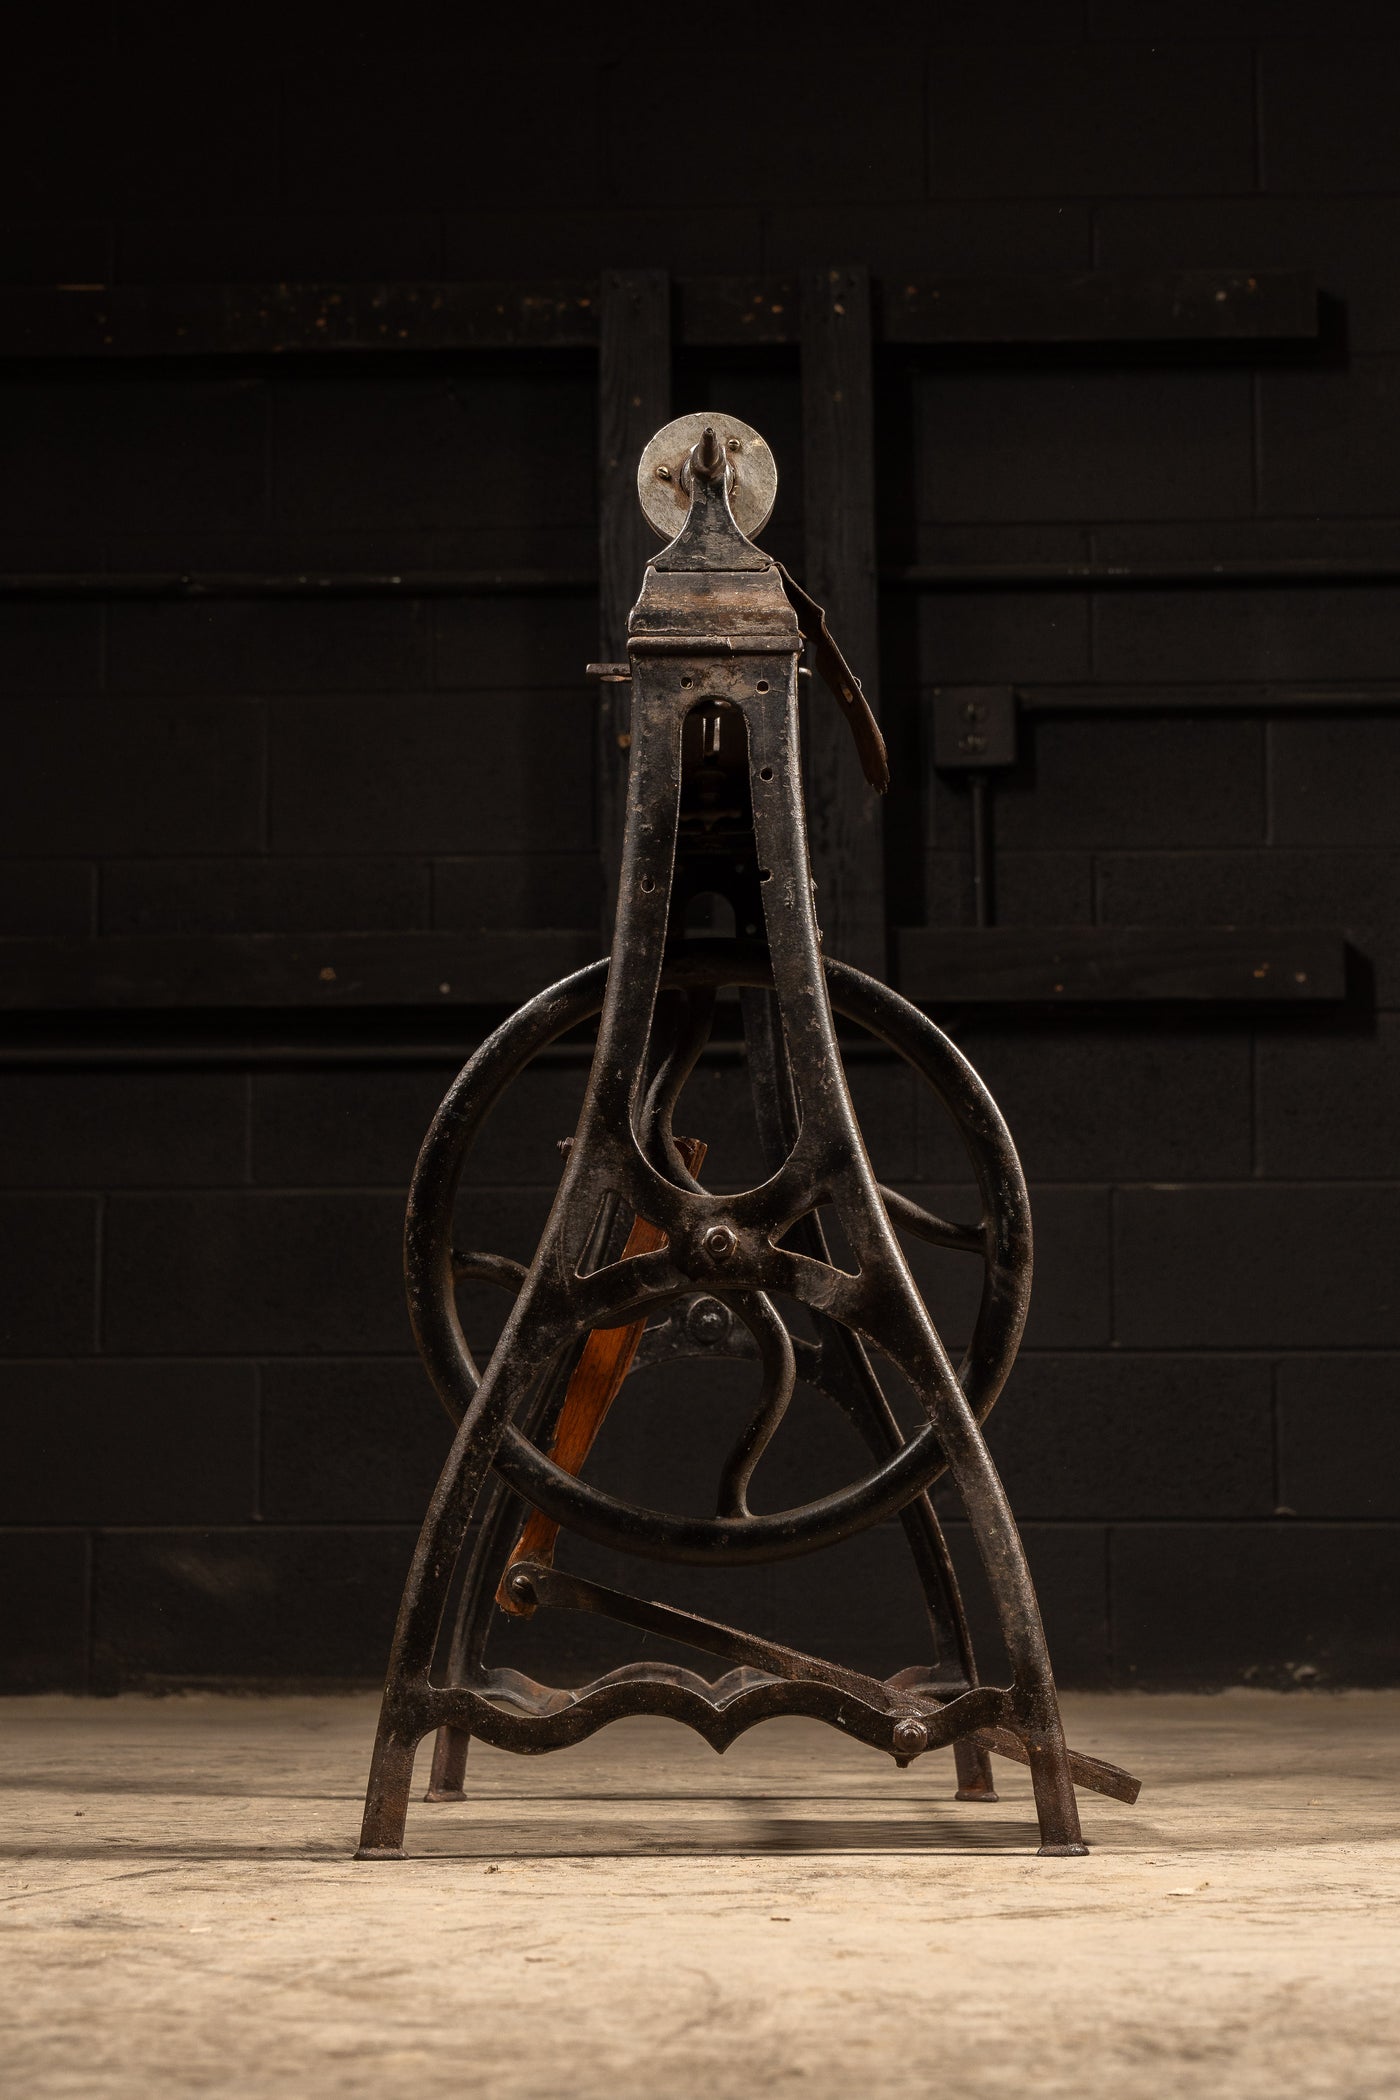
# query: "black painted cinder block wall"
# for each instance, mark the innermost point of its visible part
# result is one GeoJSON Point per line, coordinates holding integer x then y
{"type": "Point", "coordinates": [217, 1441]}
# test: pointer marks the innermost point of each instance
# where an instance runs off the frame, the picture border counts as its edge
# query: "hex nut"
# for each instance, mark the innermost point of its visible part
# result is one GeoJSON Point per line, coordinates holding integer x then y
{"type": "Point", "coordinates": [910, 1736]}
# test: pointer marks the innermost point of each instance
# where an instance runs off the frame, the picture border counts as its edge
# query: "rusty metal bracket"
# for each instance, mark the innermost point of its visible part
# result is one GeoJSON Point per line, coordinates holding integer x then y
{"type": "Point", "coordinates": [842, 682]}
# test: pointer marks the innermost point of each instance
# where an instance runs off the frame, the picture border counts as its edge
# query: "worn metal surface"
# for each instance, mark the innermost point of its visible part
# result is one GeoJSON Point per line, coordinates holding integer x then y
{"type": "Point", "coordinates": [716, 811]}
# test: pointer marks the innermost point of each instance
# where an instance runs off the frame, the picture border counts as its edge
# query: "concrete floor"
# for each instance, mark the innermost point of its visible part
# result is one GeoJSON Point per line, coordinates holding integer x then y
{"type": "Point", "coordinates": [639, 1918]}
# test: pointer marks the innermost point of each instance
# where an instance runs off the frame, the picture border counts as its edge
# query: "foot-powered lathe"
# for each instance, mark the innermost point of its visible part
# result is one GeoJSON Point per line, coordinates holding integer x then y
{"type": "Point", "coordinates": [639, 1263]}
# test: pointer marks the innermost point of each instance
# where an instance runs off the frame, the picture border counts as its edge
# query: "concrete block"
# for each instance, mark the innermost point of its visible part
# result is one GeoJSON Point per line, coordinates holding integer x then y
{"type": "Point", "coordinates": [43, 1635]}
{"type": "Point", "coordinates": [231, 1605]}
{"type": "Point", "coordinates": [1093, 444]}
{"type": "Point", "coordinates": [124, 1129]}
{"type": "Point", "coordinates": [431, 775]}
{"type": "Point", "coordinates": [47, 897]}
{"type": "Point", "coordinates": [1331, 780]}
{"type": "Point", "coordinates": [1339, 1435]}
{"type": "Point", "coordinates": [1284, 1266]}
{"type": "Point", "coordinates": [1094, 119]}
{"type": "Point", "coordinates": [1106, 1103]}
{"type": "Point", "coordinates": [265, 895]}
{"type": "Point", "coordinates": [125, 1443]}
{"type": "Point", "coordinates": [252, 1272]}
{"type": "Point", "coordinates": [1325, 112]}
{"type": "Point", "coordinates": [133, 776]}
{"type": "Point", "coordinates": [1285, 1604]}
{"type": "Point", "coordinates": [353, 1442]}
{"type": "Point", "coordinates": [49, 1277]}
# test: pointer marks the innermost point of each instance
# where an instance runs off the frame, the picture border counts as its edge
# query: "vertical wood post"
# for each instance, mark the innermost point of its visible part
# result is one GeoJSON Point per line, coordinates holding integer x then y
{"type": "Point", "coordinates": [634, 400]}
{"type": "Point", "coordinates": [838, 498]}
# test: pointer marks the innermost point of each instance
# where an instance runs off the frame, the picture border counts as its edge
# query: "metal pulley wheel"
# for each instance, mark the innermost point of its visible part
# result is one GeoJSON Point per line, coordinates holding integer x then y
{"type": "Point", "coordinates": [663, 475]}
{"type": "Point", "coordinates": [1000, 1238]}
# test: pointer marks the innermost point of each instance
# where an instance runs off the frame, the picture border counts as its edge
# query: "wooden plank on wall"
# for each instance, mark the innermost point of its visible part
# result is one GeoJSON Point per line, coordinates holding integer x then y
{"type": "Point", "coordinates": [1102, 306]}
{"type": "Point", "coordinates": [1114, 964]}
{"type": "Point", "coordinates": [255, 320]}
{"type": "Point", "coordinates": [634, 400]}
{"type": "Point", "coordinates": [296, 971]}
{"type": "Point", "coordinates": [844, 814]}
{"type": "Point", "coordinates": [311, 973]}
{"type": "Point", "coordinates": [222, 320]}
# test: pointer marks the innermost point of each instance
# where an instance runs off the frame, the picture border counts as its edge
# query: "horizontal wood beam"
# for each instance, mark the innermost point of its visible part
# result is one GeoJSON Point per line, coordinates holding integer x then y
{"type": "Point", "coordinates": [280, 320]}
{"type": "Point", "coordinates": [1206, 573]}
{"type": "Point", "coordinates": [298, 583]}
{"type": "Point", "coordinates": [1308, 696]}
{"type": "Point", "coordinates": [1012, 965]}
{"type": "Point", "coordinates": [316, 973]}
{"type": "Point", "coordinates": [310, 971]}
{"type": "Point", "coordinates": [271, 320]}
{"type": "Point", "coordinates": [952, 577]}
{"type": "Point", "coordinates": [1103, 306]}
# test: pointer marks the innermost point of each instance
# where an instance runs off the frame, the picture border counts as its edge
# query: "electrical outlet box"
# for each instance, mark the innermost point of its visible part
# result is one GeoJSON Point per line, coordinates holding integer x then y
{"type": "Point", "coordinates": [974, 726]}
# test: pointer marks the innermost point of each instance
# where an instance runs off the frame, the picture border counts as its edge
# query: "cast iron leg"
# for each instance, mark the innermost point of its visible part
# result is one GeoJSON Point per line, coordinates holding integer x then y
{"type": "Point", "coordinates": [386, 1802]}
{"type": "Point", "coordinates": [1013, 1594]}
{"type": "Point", "coordinates": [974, 1765]}
{"type": "Point", "coordinates": [1055, 1804]}
{"type": "Point", "coordinates": [449, 1763]}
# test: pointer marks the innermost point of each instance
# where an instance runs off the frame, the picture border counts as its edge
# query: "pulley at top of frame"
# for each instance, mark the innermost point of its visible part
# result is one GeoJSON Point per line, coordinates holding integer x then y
{"type": "Point", "coordinates": [665, 476]}
{"type": "Point", "coordinates": [722, 448]}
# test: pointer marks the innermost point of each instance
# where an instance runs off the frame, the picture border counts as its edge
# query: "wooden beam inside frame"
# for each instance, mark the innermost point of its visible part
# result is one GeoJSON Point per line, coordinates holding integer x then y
{"type": "Point", "coordinates": [634, 400]}
{"type": "Point", "coordinates": [844, 814]}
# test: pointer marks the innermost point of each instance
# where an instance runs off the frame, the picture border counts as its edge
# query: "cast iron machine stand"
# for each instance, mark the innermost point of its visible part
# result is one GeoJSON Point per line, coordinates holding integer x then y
{"type": "Point", "coordinates": [640, 1263]}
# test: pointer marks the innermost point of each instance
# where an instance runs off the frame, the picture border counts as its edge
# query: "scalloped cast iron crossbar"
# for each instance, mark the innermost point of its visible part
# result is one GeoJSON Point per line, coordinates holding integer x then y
{"type": "Point", "coordinates": [640, 1264]}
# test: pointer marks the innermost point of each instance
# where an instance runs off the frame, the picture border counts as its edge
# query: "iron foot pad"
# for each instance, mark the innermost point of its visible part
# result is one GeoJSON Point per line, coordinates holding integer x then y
{"type": "Point", "coordinates": [380, 1852]}
{"type": "Point", "coordinates": [445, 1793]}
{"type": "Point", "coordinates": [1063, 1852]}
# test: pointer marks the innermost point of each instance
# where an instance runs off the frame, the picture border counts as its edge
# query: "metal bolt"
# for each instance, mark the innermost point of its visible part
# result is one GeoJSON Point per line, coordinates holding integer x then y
{"type": "Point", "coordinates": [708, 1321]}
{"type": "Point", "coordinates": [910, 1737]}
{"type": "Point", "coordinates": [518, 1583]}
{"type": "Point", "coordinates": [733, 444]}
{"type": "Point", "coordinates": [663, 473]}
{"type": "Point", "coordinates": [720, 1241]}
